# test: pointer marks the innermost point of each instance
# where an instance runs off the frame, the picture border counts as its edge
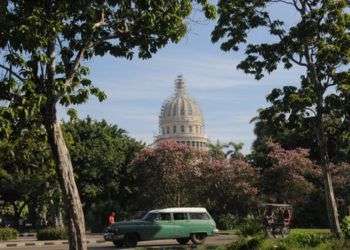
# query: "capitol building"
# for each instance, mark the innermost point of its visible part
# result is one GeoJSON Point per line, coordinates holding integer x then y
{"type": "Point", "coordinates": [181, 119]}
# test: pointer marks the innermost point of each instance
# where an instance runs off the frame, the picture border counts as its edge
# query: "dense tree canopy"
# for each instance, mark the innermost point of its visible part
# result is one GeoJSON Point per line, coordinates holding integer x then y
{"type": "Point", "coordinates": [318, 43]}
{"type": "Point", "coordinates": [43, 45]}
{"type": "Point", "coordinates": [101, 154]}
{"type": "Point", "coordinates": [173, 174]}
{"type": "Point", "coordinates": [26, 169]}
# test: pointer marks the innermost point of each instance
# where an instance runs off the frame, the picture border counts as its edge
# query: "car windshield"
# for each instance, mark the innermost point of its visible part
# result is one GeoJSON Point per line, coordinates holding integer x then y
{"type": "Point", "coordinates": [150, 216]}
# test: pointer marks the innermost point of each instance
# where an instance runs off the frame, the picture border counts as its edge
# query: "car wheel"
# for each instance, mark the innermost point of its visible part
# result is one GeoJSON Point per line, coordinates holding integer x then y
{"type": "Point", "coordinates": [183, 241]}
{"type": "Point", "coordinates": [198, 238]}
{"type": "Point", "coordinates": [130, 240]}
{"type": "Point", "coordinates": [118, 243]}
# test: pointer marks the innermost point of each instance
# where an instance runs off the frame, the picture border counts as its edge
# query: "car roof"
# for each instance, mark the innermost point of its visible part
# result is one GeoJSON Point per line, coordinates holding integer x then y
{"type": "Point", "coordinates": [180, 210]}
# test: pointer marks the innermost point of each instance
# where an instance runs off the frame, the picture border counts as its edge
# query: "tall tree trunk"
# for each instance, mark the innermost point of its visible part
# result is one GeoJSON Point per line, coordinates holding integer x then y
{"type": "Point", "coordinates": [332, 208]}
{"type": "Point", "coordinates": [320, 89]}
{"type": "Point", "coordinates": [73, 241]}
{"type": "Point", "coordinates": [77, 239]}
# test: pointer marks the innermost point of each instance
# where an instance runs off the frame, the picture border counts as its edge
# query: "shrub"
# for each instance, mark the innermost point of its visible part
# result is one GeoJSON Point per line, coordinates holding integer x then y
{"type": "Point", "coordinates": [227, 222]}
{"type": "Point", "coordinates": [303, 239]}
{"type": "Point", "coordinates": [345, 227]}
{"type": "Point", "coordinates": [246, 243]}
{"type": "Point", "coordinates": [250, 226]}
{"type": "Point", "coordinates": [52, 234]}
{"type": "Point", "coordinates": [8, 233]}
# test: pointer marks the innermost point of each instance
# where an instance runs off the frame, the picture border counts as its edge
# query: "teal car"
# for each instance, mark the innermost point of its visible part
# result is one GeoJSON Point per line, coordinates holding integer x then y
{"type": "Point", "coordinates": [183, 224]}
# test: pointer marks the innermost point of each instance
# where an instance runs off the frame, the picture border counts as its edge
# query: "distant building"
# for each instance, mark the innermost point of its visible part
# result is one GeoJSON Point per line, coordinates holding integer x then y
{"type": "Point", "coordinates": [181, 119]}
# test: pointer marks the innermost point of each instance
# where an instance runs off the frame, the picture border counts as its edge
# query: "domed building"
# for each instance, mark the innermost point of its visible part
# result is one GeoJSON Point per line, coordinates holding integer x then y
{"type": "Point", "coordinates": [181, 119]}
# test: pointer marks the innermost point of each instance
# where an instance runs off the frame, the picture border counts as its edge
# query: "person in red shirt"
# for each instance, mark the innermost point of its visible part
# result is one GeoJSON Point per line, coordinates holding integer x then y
{"type": "Point", "coordinates": [111, 218]}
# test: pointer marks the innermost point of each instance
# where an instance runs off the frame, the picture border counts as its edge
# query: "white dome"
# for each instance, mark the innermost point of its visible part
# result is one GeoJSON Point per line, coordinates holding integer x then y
{"type": "Point", "coordinates": [181, 119]}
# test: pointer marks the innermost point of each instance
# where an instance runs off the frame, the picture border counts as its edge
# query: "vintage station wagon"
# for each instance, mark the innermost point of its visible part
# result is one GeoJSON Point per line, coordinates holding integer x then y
{"type": "Point", "coordinates": [183, 224]}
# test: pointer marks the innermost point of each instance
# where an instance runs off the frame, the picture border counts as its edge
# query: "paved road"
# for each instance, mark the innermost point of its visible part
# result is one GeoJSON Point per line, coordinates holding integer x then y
{"type": "Point", "coordinates": [160, 244]}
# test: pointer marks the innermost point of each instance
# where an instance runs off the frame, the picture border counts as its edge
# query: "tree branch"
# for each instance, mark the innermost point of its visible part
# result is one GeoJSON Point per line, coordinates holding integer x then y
{"type": "Point", "coordinates": [11, 72]}
{"type": "Point", "coordinates": [10, 96]}
{"type": "Point", "coordinates": [76, 63]}
{"type": "Point", "coordinates": [282, 1]}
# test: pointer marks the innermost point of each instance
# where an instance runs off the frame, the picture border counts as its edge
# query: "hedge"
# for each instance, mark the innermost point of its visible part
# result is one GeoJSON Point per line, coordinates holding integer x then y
{"type": "Point", "coordinates": [8, 233]}
{"type": "Point", "coordinates": [52, 234]}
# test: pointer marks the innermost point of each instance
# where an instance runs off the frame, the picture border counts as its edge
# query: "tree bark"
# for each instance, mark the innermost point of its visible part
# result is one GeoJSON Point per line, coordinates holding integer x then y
{"type": "Point", "coordinates": [73, 241]}
{"type": "Point", "coordinates": [331, 203]}
{"type": "Point", "coordinates": [77, 239]}
{"type": "Point", "coordinates": [320, 89]}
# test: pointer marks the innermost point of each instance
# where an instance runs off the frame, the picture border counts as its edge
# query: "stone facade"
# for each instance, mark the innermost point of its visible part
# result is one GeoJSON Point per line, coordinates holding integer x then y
{"type": "Point", "coordinates": [181, 119]}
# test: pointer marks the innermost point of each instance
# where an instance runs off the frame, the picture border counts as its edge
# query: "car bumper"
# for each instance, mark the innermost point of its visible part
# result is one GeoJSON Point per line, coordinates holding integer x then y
{"type": "Point", "coordinates": [113, 236]}
{"type": "Point", "coordinates": [215, 231]}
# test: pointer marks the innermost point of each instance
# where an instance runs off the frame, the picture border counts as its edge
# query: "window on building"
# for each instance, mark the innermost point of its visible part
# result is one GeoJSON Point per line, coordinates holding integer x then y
{"type": "Point", "coordinates": [182, 128]}
{"type": "Point", "coordinates": [174, 110]}
{"type": "Point", "coordinates": [182, 111]}
{"type": "Point", "coordinates": [193, 144]}
{"type": "Point", "coordinates": [167, 130]}
{"type": "Point", "coordinates": [190, 128]}
{"type": "Point", "coordinates": [163, 131]}
{"type": "Point", "coordinates": [197, 129]}
{"type": "Point", "coordinates": [174, 129]}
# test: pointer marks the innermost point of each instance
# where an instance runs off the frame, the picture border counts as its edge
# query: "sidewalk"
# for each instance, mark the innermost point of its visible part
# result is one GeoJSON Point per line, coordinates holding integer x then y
{"type": "Point", "coordinates": [30, 240]}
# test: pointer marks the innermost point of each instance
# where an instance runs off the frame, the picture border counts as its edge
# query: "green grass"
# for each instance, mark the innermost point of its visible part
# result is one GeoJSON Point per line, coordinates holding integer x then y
{"type": "Point", "coordinates": [311, 230]}
{"type": "Point", "coordinates": [233, 232]}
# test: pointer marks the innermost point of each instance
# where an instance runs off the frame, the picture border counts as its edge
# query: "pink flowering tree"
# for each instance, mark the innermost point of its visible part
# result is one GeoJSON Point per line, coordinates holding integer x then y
{"type": "Point", "coordinates": [291, 177]}
{"type": "Point", "coordinates": [173, 174]}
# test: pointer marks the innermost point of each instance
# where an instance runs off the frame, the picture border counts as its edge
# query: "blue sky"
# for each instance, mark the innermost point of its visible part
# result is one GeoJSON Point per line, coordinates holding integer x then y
{"type": "Point", "coordinates": [229, 98]}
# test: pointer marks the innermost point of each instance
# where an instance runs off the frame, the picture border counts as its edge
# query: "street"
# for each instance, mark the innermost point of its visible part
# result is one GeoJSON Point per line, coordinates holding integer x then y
{"type": "Point", "coordinates": [218, 240]}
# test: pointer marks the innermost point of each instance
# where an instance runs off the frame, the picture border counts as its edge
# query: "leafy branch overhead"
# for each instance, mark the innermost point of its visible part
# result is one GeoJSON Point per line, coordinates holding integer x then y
{"type": "Point", "coordinates": [318, 42]}
{"type": "Point", "coordinates": [41, 41]}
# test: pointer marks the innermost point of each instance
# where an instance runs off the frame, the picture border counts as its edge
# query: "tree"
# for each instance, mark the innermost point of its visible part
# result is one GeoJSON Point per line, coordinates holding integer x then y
{"type": "Point", "coordinates": [296, 130]}
{"type": "Point", "coordinates": [163, 174]}
{"type": "Point", "coordinates": [43, 47]}
{"type": "Point", "coordinates": [291, 177]}
{"type": "Point", "coordinates": [26, 169]}
{"type": "Point", "coordinates": [101, 154]}
{"type": "Point", "coordinates": [174, 174]}
{"type": "Point", "coordinates": [318, 42]}
{"type": "Point", "coordinates": [234, 150]}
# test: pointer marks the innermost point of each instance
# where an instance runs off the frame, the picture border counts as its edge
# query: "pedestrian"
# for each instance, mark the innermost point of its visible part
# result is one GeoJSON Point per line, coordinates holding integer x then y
{"type": "Point", "coordinates": [111, 218]}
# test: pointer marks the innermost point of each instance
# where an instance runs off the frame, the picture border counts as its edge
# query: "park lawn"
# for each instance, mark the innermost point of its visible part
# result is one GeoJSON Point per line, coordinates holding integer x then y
{"type": "Point", "coordinates": [290, 243]}
{"type": "Point", "coordinates": [232, 231]}
{"type": "Point", "coordinates": [311, 230]}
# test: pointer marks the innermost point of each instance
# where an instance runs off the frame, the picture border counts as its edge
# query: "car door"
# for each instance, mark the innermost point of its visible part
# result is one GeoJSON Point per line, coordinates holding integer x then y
{"type": "Point", "coordinates": [161, 227]}
{"type": "Point", "coordinates": [165, 226]}
{"type": "Point", "coordinates": [201, 222]}
{"type": "Point", "coordinates": [182, 225]}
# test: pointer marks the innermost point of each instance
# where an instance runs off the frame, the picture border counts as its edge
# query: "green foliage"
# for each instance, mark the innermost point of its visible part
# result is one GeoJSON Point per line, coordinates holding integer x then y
{"type": "Point", "coordinates": [7, 233]}
{"type": "Point", "coordinates": [306, 239]}
{"type": "Point", "coordinates": [227, 222]}
{"type": "Point", "coordinates": [315, 114]}
{"type": "Point", "coordinates": [101, 154]}
{"type": "Point", "coordinates": [250, 226]}
{"type": "Point", "coordinates": [345, 226]}
{"type": "Point", "coordinates": [246, 243]}
{"type": "Point", "coordinates": [26, 169]}
{"type": "Point", "coordinates": [52, 234]}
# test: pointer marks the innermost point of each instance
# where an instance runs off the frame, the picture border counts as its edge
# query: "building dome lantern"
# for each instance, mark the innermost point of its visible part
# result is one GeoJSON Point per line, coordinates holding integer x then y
{"type": "Point", "coordinates": [181, 119]}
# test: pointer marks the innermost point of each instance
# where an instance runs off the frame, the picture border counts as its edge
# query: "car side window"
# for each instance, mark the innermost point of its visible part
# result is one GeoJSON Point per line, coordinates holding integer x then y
{"type": "Point", "coordinates": [180, 216]}
{"type": "Point", "coordinates": [164, 216]}
{"type": "Point", "coordinates": [151, 217]}
{"type": "Point", "coordinates": [199, 216]}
